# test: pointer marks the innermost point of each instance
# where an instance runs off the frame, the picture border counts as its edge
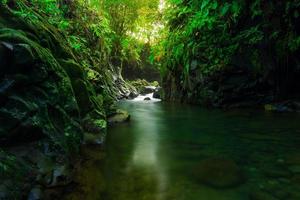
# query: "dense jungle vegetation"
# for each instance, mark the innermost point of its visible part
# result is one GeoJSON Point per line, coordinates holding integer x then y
{"type": "Point", "coordinates": [65, 63]}
{"type": "Point", "coordinates": [221, 52]}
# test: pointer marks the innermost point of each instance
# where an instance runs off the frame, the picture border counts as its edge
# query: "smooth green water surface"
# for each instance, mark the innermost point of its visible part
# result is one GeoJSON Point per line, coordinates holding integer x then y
{"type": "Point", "coordinates": [155, 156]}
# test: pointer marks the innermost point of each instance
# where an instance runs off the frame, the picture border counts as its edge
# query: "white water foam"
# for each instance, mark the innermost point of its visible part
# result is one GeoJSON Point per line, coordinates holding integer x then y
{"type": "Point", "coordinates": [142, 97]}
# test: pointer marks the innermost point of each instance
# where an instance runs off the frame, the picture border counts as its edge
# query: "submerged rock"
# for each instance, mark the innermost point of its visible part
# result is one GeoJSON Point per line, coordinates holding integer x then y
{"type": "Point", "coordinates": [219, 173]}
{"type": "Point", "coordinates": [147, 99]}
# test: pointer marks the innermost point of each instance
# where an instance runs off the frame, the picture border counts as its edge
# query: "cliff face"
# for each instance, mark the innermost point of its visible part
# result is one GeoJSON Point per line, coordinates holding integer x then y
{"type": "Point", "coordinates": [233, 52]}
{"type": "Point", "coordinates": [49, 103]}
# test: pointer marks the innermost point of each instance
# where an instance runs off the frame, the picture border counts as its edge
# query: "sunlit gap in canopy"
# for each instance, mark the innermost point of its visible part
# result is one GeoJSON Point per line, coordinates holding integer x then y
{"type": "Point", "coordinates": [149, 25]}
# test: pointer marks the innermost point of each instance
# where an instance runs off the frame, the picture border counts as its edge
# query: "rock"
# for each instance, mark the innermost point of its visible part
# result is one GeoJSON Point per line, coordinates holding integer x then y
{"type": "Point", "coordinates": [5, 86]}
{"type": "Point", "coordinates": [60, 176]}
{"type": "Point", "coordinates": [139, 84]}
{"type": "Point", "coordinates": [23, 55]}
{"type": "Point", "coordinates": [35, 193]}
{"type": "Point", "coordinates": [147, 99]}
{"type": "Point", "coordinates": [118, 117]}
{"type": "Point", "coordinates": [157, 93]}
{"type": "Point", "coordinates": [147, 90]}
{"type": "Point", "coordinates": [259, 195]}
{"type": "Point", "coordinates": [219, 173]}
{"type": "Point", "coordinates": [5, 57]}
{"type": "Point", "coordinates": [73, 70]}
{"type": "Point", "coordinates": [133, 94]}
{"type": "Point", "coordinates": [82, 96]}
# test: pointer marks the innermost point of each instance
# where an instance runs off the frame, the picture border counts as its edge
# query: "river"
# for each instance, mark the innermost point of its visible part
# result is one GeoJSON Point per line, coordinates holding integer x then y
{"type": "Point", "coordinates": [156, 156]}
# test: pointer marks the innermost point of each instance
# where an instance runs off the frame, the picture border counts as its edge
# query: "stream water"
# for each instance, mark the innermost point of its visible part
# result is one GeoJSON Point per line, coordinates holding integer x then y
{"type": "Point", "coordinates": [156, 155]}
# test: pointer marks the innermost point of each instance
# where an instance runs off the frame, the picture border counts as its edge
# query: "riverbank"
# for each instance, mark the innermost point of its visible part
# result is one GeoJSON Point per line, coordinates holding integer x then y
{"type": "Point", "coordinates": [52, 97]}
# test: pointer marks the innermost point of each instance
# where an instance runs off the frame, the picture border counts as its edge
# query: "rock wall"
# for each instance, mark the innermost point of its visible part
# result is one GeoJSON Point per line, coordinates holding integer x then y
{"type": "Point", "coordinates": [247, 55]}
{"type": "Point", "coordinates": [49, 105]}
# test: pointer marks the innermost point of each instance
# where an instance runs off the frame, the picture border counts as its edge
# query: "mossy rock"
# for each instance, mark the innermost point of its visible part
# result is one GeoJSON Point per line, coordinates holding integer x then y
{"type": "Point", "coordinates": [97, 101]}
{"type": "Point", "coordinates": [23, 55]}
{"type": "Point", "coordinates": [219, 173]}
{"type": "Point", "coordinates": [95, 126]}
{"type": "Point", "coordinates": [84, 102]}
{"type": "Point", "coordinates": [73, 69]}
{"type": "Point", "coordinates": [5, 58]}
{"type": "Point", "coordinates": [14, 173]}
{"type": "Point", "coordinates": [14, 112]}
{"type": "Point", "coordinates": [118, 117]}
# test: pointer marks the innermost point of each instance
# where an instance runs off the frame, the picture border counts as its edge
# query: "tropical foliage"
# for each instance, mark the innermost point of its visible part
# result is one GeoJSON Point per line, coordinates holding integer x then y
{"type": "Point", "coordinates": [210, 36]}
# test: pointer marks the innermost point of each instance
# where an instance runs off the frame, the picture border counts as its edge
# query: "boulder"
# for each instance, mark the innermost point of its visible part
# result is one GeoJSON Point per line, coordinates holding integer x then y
{"type": "Point", "coordinates": [219, 173]}
{"type": "Point", "coordinates": [133, 94]}
{"type": "Point", "coordinates": [157, 93]}
{"type": "Point", "coordinates": [147, 99]}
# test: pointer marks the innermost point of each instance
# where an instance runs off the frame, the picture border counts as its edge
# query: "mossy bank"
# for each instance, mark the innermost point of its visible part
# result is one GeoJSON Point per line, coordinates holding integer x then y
{"type": "Point", "coordinates": [52, 98]}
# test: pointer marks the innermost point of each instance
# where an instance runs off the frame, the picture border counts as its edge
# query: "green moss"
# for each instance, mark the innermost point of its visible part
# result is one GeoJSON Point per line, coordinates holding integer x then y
{"type": "Point", "coordinates": [73, 69]}
{"type": "Point", "coordinates": [82, 97]}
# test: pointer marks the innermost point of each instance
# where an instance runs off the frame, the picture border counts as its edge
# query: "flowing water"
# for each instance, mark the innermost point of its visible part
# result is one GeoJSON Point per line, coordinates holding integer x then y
{"type": "Point", "coordinates": [156, 156]}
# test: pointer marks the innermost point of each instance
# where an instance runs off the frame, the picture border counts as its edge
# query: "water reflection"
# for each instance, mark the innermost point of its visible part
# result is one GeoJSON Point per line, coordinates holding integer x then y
{"type": "Point", "coordinates": [145, 157]}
